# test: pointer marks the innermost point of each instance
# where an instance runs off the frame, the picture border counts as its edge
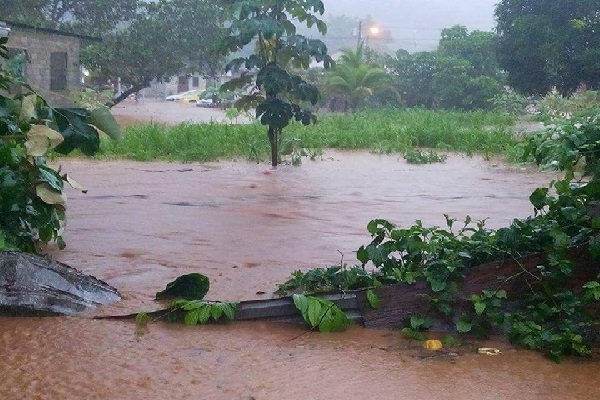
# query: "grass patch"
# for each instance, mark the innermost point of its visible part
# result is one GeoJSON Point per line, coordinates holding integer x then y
{"type": "Point", "coordinates": [381, 131]}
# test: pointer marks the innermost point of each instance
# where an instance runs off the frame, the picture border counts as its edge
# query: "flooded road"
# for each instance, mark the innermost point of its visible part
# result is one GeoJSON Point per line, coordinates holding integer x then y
{"type": "Point", "coordinates": [247, 228]}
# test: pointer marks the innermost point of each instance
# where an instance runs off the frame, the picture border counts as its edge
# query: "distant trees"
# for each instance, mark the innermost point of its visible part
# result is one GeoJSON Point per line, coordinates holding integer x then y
{"type": "Point", "coordinates": [83, 16]}
{"type": "Point", "coordinates": [462, 74]}
{"type": "Point", "coordinates": [166, 38]}
{"type": "Point", "coordinates": [547, 43]}
{"type": "Point", "coordinates": [354, 80]}
{"type": "Point", "coordinates": [468, 74]}
{"type": "Point", "coordinates": [142, 41]}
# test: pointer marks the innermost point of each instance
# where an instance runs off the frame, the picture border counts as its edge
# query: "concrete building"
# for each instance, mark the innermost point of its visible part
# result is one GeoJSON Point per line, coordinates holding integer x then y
{"type": "Point", "coordinates": [49, 60]}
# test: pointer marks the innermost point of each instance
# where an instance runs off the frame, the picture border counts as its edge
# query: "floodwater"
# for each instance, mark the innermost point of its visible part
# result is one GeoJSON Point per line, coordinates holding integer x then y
{"type": "Point", "coordinates": [169, 112]}
{"type": "Point", "coordinates": [247, 228]}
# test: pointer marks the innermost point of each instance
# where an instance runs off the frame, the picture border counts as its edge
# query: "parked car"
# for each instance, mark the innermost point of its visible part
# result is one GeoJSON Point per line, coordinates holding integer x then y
{"type": "Point", "coordinates": [213, 98]}
{"type": "Point", "coordinates": [207, 102]}
{"type": "Point", "coordinates": [189, 96]}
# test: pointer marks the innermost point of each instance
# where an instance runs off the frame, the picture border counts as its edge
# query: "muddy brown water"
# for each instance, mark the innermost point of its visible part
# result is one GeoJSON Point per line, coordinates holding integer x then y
{"type": "Point", "coordinates": [247, 228]}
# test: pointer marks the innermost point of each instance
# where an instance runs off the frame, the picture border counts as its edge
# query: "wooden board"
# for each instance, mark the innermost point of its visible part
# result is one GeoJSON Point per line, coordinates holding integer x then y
{"type": "Point", "coordinates": [273, 310]}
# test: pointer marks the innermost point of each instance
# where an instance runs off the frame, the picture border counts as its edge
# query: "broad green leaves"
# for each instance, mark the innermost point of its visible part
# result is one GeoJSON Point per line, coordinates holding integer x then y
{"type": "Point", "coordinates": [32, 201]}
{"type": "Point", "coordinates": [192, 286]}
{"type": "Point", "coordinates": [321, 314]}
{"type": "Point", "coordinates": [278, 94]}
{"type": "Point", "coordinates": [373, 299]}
{"type": "Point", "coordinates": [201, 312]}
{"type": "Point", "coordinates": [41, 139]}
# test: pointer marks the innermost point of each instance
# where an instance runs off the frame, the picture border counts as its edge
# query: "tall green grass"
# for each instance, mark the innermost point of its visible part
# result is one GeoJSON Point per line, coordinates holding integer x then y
{"type": "Point", "coordinates": [384, 131]}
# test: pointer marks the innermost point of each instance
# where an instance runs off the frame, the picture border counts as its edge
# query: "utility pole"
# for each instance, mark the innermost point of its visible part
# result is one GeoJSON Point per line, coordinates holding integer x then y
{"type": "Point", "coordinates": [359, 40]}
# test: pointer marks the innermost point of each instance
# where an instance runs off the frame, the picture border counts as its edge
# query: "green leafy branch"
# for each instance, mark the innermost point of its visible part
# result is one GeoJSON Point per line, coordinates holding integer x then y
{"type": "Point", "coordinates": [200, 311]}
{"type": "Point", "coordinates": [321, 314]}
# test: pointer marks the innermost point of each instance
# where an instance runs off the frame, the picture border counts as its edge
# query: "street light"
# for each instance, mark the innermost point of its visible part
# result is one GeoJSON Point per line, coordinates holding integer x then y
{"type": "Point", "coordinates": [373, 31]}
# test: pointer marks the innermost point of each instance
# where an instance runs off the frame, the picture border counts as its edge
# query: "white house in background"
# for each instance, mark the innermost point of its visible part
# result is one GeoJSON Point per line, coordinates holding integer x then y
{"type": "Point", "coordinates": [183, 83]}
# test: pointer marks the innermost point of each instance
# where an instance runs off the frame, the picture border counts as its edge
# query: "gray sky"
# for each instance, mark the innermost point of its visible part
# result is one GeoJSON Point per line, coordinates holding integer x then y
{"type": "Point", "coordinates": [416, 24]}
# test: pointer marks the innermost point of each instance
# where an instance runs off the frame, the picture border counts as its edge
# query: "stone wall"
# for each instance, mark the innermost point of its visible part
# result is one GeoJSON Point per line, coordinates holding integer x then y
{"type": "Point", "coordinates": [39, 44]}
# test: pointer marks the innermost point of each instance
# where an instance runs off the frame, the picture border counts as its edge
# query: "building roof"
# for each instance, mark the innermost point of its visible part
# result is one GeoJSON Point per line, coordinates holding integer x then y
{"type": "Point", "coordinates": [50, 30]}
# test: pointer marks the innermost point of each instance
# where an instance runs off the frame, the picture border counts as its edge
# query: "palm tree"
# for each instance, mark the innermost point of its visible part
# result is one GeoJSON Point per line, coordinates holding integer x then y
{"type": "Point", "coordinates": [354, 80]}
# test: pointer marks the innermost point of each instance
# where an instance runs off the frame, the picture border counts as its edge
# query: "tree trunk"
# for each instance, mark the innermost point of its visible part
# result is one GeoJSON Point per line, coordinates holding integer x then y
{"type": "Point", "coordinates": [274, 140]}
{"type": "Point", "coordinates": [124, 95]}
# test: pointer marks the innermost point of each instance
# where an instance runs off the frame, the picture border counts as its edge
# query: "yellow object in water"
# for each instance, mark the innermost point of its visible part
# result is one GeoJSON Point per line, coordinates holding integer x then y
{"type": "Point", "coordinates": [432, 345]}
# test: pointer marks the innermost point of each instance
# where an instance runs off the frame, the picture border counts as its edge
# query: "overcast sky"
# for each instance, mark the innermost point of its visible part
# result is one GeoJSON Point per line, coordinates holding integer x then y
{"type": "Point", "coordinates": [416, 24]}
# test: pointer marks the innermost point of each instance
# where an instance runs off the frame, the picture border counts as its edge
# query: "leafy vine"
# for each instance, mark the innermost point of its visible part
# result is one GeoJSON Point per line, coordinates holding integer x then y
{"type": "Point", "coordinates": [552, 313]}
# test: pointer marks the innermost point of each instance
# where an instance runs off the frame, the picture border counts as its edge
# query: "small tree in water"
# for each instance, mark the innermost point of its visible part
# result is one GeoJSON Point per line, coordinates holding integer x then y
{"type": "Point", "coordinates": [278, 94]}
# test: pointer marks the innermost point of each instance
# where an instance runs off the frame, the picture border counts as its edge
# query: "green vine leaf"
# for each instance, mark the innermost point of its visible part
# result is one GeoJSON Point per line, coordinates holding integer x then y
{"type": "Point", "coordinates": [301, 303]}
{"type": "Point", "coordinates": [200, 311]}
{"type": "Point", "coordinates": [463, 325]}
{"type": "Point", "coordinates": [480, 308]}
{"type": "Point", "coordinates": [373, 299]}
{"type": "Point", "coordinates": [192, 317]}
{"type": "Point", "coordinates": [321, 314]}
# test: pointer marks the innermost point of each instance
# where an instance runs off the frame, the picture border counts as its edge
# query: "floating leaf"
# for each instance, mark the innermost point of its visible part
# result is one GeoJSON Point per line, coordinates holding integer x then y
{"type": "Point", "coordinates": [229, 309]}
{"type": "Point", "coordinates": [432, 344]}
{"type": "Point", "coordinates": [142, 318]}
{"type": "Point", "coordinates": [216, 310]}
{"type": "Point", "coordinates": [191, 317]}
{"type": "Point", "coordinates": [204, 313]}
{"type": "Point", "coordinates": [74, 184]}
{"type": "Point", "coordinates": [192, 286]}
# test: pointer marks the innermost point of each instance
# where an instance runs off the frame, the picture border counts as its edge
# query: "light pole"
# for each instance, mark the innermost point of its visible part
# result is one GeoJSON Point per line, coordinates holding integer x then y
{"type": "Point", "coordinates": [359, 40]}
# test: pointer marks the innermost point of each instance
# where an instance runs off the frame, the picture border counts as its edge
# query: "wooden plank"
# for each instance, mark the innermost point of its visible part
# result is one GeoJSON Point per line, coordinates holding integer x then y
{"type": "Point", "coordinates": [284, 310]}
{"type": "Point", "coordinates": [273, 310]}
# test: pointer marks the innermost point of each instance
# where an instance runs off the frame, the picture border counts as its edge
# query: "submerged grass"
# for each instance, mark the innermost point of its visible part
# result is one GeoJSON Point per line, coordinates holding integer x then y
{"type": "Point", "coordinates": [382, 131]}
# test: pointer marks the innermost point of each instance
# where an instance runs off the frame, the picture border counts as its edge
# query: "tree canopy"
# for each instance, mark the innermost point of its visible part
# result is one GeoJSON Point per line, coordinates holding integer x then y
{"type": "Point", "coordinates": [549, 43]}
{"type": "Point", "coordinates": [277, 91]}
{"type": "Point", "coordinates": [142, 41]}
{"type": "Point", "coordinates": [355, 80]}
{"type": "Point", "coordinates": [92, 17]}
{"type": "Point", "coordinates": [462, 74]}
{"type": "Point", "coordinates": [167, 38]}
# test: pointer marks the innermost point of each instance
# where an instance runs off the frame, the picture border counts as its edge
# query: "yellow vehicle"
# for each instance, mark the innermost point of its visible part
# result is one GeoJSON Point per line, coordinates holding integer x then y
{"type": "Point", "coordinates": [190, 96]}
